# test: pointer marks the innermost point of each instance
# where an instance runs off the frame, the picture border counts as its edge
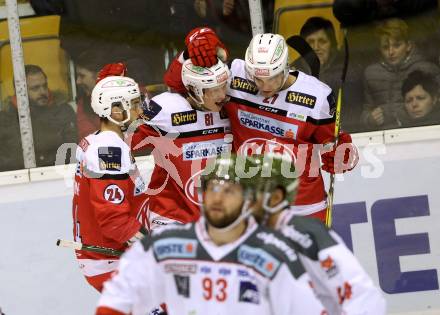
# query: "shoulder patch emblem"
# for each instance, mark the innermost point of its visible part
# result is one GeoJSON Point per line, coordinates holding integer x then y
{"type": "Point", "coordinates": [331, 103]}
{"type": "Point", "coordinates": [110, 158]}
{"type": "Point", "coordinates": [184, 118]}
{"type": "Point", "coordinates": [150, 110]}
{"type": "Point", "coordinates": [249, 292]}
{"type": "Point", "coordinates": [244, 85]}
{"type": "Point", "coordinates": [301, 99]}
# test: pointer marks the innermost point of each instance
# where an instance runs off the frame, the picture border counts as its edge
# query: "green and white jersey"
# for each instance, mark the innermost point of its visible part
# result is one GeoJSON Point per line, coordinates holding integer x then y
{"type": "Point", "coordinates": [339, 280]}
{"type": "Point", "coordinates": [180, 266]}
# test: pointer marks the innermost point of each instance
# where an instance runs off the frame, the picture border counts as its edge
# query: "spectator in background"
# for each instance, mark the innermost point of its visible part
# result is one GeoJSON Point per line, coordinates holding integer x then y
{"type": "Point", "coordinates": [88, 65]}
{"type": "Point", "coordinates": [421, 93]}
{"type": "Point", "coordinates": [53, 123]}
{"type": "Point", "coordinates": [383, 80]}
{"type": "Point", "coordinates": [319, 33]}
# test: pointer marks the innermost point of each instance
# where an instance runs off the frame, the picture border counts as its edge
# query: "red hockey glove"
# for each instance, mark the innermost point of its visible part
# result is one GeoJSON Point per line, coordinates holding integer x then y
{"type": "Point", "coordinates": [342, 158]}
{"type": "Point", "coordinates": [204, 47]}
{"type": "Point", "coordinates": [117, 69]}
{"type": "Point", "coordinates": [173, 76]}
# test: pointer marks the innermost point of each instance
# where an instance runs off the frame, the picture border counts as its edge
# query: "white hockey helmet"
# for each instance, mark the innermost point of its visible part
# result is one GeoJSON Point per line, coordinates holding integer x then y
{"type": "Point", "coordinates": [111, 91]}
{"type": "Point", "coordinates": [267, 56]}
{"type": "Point", "coordinates": [196, 79]}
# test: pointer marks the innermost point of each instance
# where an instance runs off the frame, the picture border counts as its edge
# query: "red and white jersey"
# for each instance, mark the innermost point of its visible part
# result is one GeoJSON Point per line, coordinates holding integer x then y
{"type": "Point", "coordinates": [182, 139]}
{"type": "Point", "coordinates": [107, 206]}
{"type": "Point", "coordinates": [289, 122]}
{"type": "Point", "coordinates": [180, 265]}
{"type": "Point", "coordinates": [339, 280]}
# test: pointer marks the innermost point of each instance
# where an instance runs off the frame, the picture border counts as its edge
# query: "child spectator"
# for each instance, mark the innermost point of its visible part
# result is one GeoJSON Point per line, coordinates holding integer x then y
{"type": "Point", "coordinates": [319, 33]}
{"type": "Point", "coordinates": [383, 80]}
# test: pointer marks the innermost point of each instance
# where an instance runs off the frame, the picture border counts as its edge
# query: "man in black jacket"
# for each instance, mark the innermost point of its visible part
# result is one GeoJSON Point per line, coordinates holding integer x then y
{"type": "Point", "coordinates": [53, 123]}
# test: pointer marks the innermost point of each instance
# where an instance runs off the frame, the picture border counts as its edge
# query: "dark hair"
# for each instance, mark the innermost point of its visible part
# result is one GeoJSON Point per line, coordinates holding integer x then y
{"type": "Point", "coordinates": [91, 60]}
{"type": "Point", "coordinates": [418, 77]}
{"type": "Point", "coordinates": [33, 69]}
{"type": "Point", "coordinates": [30, 70]}
{"type": "Point", "coordinates": [316, 23]}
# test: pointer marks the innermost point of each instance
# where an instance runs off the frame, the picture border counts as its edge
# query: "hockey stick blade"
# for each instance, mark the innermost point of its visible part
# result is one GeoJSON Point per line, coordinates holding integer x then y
{"type": "Point", "coordinates": [303, 48]}
{"type": "Point", "coordinates": [89, 248]}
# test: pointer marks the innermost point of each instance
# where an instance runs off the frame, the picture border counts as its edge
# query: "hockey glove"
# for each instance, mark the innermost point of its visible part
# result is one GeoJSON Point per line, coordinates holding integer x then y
{"type": "Point", "coordinates": [343, 157]}
{"type": "Point", "coordinates": [204, 47]}
{"type": "Point", "coordinates": [116, 69]}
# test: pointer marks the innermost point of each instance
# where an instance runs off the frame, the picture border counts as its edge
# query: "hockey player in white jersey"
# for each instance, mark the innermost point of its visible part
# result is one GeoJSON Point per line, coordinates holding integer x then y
{"type": "Point", "coordinates": [338, 279]}
{"type": "Point", "coordinates": [274, 109]}
{"type": "Point", "coordinates": [183, 129]}
{"type": "Point", "coordinates": [222, 264]}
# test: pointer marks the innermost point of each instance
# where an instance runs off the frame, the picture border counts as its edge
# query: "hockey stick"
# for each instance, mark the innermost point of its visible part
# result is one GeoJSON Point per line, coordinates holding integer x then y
{"type": "Point", "coordinates": [89, 248]}
{"type": "Point", "coordinates": [300, 45]}
{"type": "Point", "coordinates": [329, 214]}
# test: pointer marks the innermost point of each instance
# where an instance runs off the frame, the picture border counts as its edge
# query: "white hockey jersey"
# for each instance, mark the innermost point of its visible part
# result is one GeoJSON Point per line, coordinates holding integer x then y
{"type": "Point", "coordinates": [256, 274]}
{"type": "Point", "coordinates": [289, 122]}
{"type": "Point", "coordinates": [182, 140]}
{"type": "Point", "coordinates": [338, 279]}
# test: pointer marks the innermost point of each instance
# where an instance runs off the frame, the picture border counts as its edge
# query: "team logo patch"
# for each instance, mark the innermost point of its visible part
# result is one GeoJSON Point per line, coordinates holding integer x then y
{"type": "Point", "coordinates": [109, 158]}
{"type": "Point", "coordinates": [329, 266]}
{"type": "Point", "coordinates": [150, 110]}
{"type": "Point", "coordinates": [262, 261]}
{"type": "Point", "coordinates": [265, 146]}
{"type": "Point", "coordinates": [266, 124]}
{"type": "Point", "coordinates": [244, 85]}
{"type": "Point", "coordinates": [249, 292]}
{"type": "Point", "coordinates": [182, 285]}
{"type": "Point", "coordinates": [203, 149]}
{"type": "Point", "coordinates": [175, 248]}
{"type": "Point", "coordinates": [331, 103]}
{"type": "Point", "coordinates": [301, 99]}
{"type": "Point", "coordinates": [114, 194]}
{"type": "Point", "coordinates": [184, 118]}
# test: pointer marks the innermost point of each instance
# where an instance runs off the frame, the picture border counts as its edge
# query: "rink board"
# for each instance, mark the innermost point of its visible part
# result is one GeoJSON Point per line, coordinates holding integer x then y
{"type": "Point", "coordinates": [387, 211]}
